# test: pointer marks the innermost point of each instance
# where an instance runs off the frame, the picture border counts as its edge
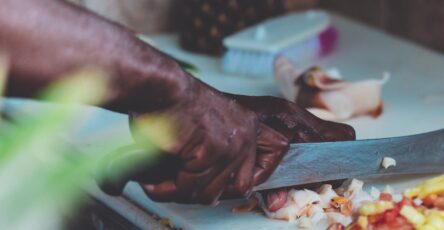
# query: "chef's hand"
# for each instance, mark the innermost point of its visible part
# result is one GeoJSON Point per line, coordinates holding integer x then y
{"type": "Point", "coordinates": [297, 125]}
{"type": "Point", "coordinates": [261, 151]}
{"type": "Point", "coordinates": [217, 143]}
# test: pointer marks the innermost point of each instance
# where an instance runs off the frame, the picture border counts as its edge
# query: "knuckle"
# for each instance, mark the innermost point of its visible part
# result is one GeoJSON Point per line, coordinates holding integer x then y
{"type": "Point", "coordinates": [350, 132]}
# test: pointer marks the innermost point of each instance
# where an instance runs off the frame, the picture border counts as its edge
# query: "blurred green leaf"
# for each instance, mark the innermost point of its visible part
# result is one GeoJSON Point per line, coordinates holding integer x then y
{"type": "Point", "coordinates": [42, 176]}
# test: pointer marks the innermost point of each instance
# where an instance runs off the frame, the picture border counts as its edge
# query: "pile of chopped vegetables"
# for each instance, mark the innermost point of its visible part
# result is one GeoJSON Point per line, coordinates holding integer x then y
{"type": "Point", "coordinates": [421, 207]}
{"type": "Point", "coordinates": [351, 208]}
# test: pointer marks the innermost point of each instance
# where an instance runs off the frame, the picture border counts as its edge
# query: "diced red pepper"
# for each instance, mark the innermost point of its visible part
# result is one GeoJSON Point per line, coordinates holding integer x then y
{"type": "Point", "coordinates": [429, 200]}
{"type": "Point", "coordinates": [377, 218]}
{"type": "Point", "coordinates": [439, 202]}
{"type": "Point", "coordinates": [390, 215]}
{"type": "Point", "coordinates": [404, 201]}
{"type": "Point", "coordinates": [399, 223]}
{"type": "Point", "coordinates": [385, 196]}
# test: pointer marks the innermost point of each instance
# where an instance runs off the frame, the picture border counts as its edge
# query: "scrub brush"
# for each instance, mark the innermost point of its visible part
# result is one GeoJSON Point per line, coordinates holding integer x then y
{"type": "Point", "coordinates": [300, 37]}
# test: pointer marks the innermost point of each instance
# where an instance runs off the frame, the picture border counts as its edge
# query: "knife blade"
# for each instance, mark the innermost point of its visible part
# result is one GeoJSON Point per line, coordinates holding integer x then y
{"type": "Point", "coordinates": [317, 162]}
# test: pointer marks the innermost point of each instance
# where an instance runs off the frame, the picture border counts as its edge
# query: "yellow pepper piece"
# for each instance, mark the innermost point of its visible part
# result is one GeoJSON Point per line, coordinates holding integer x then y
{"type": "Point", "coordinates": [439, 213]}
{"type": "Point", "coordinates": [427, 227]}
{"type": "Point", "coordinates": [412, 192]}
{"type": "Point", "coordinates": [431, 189]}
{"type": "Point", "coordinates": [362, 222]}
{"type": "Point", "coordinates": [435, 180]}
{"type": "Point", "coordinates": [340, 199]}
{"type": "Point", "coordinates": [375, 208]}
{"type": "Point", "coordinates": [413, 216]}
{"type": "Point", "coordinates": [436, 219]}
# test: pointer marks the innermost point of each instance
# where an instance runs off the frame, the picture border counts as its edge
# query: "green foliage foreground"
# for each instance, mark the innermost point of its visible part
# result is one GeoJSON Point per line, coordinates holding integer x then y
{"type": "Point", "coordinates": [41, 178]}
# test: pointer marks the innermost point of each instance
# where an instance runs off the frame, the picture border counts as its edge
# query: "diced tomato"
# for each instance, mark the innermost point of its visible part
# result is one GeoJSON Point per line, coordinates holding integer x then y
{"type": "Point", "coordinates": [429, 200]}
{"type": "Point", "coordinates": [390, 215]}
{"type": "Point", "coordinates": [404, 201]}
{"type": "Point", "coordinates": [399, 223]}
{"type": "Point", "coordinates": [347, 209]}
{"type": "Point", "coordinates": [439, 203]}
{"type": "Point", "coordinates": [385, 196]}
{"type": "Point", "coordinates": [434, 201]}
{"type": "Point", "coordinates": [377, 218]}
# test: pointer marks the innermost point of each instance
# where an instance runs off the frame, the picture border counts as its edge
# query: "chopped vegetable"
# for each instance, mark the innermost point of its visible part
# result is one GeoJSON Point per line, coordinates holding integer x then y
{"type": "Point", "coordinates": [420, 207]}
{"type": "Point", "coordinates": [387, 162]}
{"type": "Point", "coordinates": [362, 222]}
{"type": "Point", "coordinates": [340, 200]}
{"type": "Point", "coordinates": [412, 192]}
{"type": "Point", "coordinates": [412, 215]}
{"type": "Point", "coordinates": [428, 189]}
{"type": "Point", "coordinates": [385, 196]}
{"type": "Point", "coordinates": [375, 208]}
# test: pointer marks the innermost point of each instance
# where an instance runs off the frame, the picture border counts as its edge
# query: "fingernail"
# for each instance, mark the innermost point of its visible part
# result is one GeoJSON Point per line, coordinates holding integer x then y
{"type": "Point", "coordinates": [215, 203]}
{"type": "Point", "coordinates": [148, 187]}
{"type": "Point", "coordinates": [284, 142]}
{"type": "Point", "coordinates": [248, 192]}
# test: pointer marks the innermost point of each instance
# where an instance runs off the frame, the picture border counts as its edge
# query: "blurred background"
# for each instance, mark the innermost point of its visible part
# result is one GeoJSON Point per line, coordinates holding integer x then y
{"type": "Point", "coordinates": [415, 20]}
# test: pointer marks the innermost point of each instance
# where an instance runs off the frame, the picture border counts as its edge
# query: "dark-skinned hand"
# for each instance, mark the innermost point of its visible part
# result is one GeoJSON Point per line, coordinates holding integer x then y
{"type": "Point", "coordinates": [260, 153]}
{"type": "Point", "coordinates": [217, 142]}
{"type": "Point", "coordinates": [298, 126]}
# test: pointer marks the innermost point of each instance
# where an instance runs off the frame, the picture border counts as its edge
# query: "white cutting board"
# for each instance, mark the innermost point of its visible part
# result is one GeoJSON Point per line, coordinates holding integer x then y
{"type": "Point", "coordinates": [414, 103]}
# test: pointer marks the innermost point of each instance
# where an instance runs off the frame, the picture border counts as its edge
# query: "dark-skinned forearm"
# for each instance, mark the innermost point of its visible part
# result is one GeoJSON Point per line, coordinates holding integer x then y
{"type": "Point", "coordinates": [46, 39]}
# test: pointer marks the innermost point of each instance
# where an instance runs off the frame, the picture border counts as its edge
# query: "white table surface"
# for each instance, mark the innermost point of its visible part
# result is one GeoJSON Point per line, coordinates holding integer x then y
{"type": "Point", "coordinates": [414, 103]}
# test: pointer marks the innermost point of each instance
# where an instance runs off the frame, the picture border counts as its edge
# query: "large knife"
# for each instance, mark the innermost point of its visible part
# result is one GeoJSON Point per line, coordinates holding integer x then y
{"type": "Point", "coordinates": [318, 162]}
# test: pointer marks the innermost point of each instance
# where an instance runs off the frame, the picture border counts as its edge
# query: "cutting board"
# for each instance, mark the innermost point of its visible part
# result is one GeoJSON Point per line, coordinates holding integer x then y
{"type": "Point", "coordinates": [413, 98]}
{"type": "Point", "coordinates": [414, 103]}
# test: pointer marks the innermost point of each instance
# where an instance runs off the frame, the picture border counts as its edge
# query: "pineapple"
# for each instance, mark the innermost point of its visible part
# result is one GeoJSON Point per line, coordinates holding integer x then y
{"type": "Point", "coordinates": [204, 23]}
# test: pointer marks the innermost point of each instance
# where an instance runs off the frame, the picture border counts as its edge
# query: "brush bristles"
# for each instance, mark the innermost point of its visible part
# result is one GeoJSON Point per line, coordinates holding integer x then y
{"type": "Point", "coordinates": [248, 62]}
{"type": "Point", "coordinates": [256, 63]}
{"type": "Point", "coordinates": [251, 63]}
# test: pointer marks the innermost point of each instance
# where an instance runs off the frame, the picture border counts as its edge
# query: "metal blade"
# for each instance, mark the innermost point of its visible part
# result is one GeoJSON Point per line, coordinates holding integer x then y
{"type": "Point", "coordinates": [317, 162]}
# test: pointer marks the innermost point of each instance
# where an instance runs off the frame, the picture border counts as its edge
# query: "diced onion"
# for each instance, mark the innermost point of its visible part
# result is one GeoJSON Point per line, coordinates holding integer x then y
{"type": "Point", "coordinates": [388, 162]}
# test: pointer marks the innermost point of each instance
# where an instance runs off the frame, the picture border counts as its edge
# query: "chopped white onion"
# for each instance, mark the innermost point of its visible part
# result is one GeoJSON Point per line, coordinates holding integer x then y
{"type": "Point", "coordinates": [388, 162]}
{"type": "Point", "coordinates": [305, 223]}
{"type": "Point", "coordinates": [417, 201]}
{"type": "Point", "coordinates": [375, 193]}
{"type": "Point", "coordinates": [388, 189]}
